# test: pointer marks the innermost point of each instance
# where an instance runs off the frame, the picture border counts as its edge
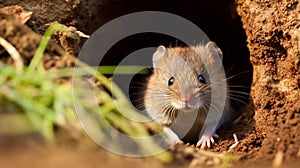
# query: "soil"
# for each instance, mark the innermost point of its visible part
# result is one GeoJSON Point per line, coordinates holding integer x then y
{"type": "Point", "coordinates": [273, 43]}
{"type": "Point", "coordinates": [269, 123]}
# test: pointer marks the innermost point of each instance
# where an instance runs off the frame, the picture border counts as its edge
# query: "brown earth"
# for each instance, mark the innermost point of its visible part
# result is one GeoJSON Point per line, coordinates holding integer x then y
{"type": "Point", "coordinates": [269, 124]}
{"type": "Point", "coordinates": [273, 36]}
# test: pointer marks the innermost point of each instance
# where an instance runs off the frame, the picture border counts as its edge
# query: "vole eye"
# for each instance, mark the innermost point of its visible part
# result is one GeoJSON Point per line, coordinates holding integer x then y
{"type": "Point", "coordinates": [171, 81]}
{"type": "Point", "coordinates": [201, 79]}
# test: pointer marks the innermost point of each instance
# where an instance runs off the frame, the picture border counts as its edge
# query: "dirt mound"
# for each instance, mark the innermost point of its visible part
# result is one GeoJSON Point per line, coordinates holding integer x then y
{"type": "Point", "coordinates": [273, 35]}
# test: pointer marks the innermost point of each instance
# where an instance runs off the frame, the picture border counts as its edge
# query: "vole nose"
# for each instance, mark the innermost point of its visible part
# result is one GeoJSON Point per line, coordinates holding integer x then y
{"type": "Point", "coordinates": [186, 99]}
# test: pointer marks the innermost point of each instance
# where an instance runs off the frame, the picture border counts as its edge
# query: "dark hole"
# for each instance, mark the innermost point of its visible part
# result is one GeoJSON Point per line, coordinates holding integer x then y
{"type": "Point", "coordinates": [218, 19]}
{"type": "Point", "coordinates": [135, 42]}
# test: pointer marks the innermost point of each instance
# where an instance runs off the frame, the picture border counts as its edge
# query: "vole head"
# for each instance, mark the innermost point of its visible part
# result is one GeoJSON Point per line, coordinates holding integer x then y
{"type": "Point", "coordinates": [181, 78]}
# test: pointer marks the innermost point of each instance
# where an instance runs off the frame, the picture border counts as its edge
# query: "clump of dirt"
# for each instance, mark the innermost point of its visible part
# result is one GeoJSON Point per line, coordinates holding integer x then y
{"type": "Point", "coordinates": [83, 15]}
{"type": "Point", "coordinates": [273, 35]}
{"type": "Point", "coordinates": [22, 37]}
{"type": "Point", "coordinates": [26, 41]}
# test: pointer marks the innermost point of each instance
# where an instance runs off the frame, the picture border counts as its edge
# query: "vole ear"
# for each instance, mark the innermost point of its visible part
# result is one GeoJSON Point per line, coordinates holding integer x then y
{"type": "Point", "coordinates": [216, 52]}
{"type": "Point", "coordinates": [160, 52]}
{"type": "Point", "coordinates": [212, 46]}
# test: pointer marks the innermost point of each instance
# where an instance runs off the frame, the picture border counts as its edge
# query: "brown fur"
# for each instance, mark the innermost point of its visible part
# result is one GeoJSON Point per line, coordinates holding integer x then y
{"type": "Point", "coordinates": [185, 64]}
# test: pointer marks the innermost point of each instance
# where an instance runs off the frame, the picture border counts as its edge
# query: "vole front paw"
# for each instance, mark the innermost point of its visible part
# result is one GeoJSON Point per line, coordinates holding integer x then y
{"type": "Point", "coordinates": [171, 137]}
{"type": "Point", "coordinates": [206, 140]}
{"type": "Point", "coordinates": [174, 141]}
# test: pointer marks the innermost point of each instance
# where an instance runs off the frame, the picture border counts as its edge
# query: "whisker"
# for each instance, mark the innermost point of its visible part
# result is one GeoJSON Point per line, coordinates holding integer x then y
{"type": "Point", "coordinates": [241, 73]}
{"type": "Point", "coordinates": [241, 96]}
{"type": "Point", "coordinates": [239, 92]}
{"type": "Point", "coordinates": [238, 86]}
{"type": "Point", "coordinates": [238, 100]}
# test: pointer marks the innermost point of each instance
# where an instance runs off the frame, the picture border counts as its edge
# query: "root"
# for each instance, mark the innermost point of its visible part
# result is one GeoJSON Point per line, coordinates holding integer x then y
{"type": "Point", "coordinates": [15, 55]}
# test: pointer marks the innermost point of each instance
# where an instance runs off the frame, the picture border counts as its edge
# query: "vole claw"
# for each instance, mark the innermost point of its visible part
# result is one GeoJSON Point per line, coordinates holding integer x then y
{"type": "Point", "coordinates": [207, 141]}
